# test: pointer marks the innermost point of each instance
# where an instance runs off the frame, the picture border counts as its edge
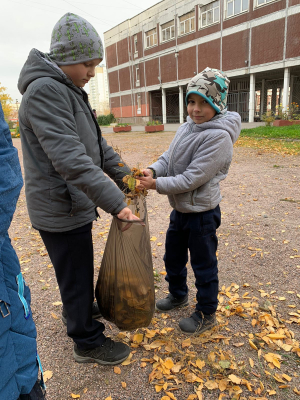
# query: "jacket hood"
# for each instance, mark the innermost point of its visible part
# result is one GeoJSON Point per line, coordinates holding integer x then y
{"type": "Point", "coordinates": [229, 122]}
{"type": "Point", "coordinates": [39, 65]}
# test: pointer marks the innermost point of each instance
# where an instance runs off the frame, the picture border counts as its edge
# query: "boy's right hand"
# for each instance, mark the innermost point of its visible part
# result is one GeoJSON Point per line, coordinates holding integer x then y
{"type": "Point", "coordinates": [147, 172]}
{"type": "Point", "coordinates": [126, 214]}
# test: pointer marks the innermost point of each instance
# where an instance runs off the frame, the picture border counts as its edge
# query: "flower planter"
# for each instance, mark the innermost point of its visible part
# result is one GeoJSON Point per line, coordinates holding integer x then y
{"type": "Point", "coordinates": [283, 122]}
{"type": "Point", "coordinates": [122, 129]}
{"type": "Point", "coordinates": [154, 128]}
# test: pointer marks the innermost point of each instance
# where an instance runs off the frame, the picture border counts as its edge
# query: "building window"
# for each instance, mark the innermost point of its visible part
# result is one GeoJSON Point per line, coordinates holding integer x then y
{"type": "Point", "coordinates": [135, 43]}
{"type": "Point", "coordinates": [209, 14]}
{"type": "Point", "coordinates": [187, 23]}
{"type": "Point", "coordinates": [137, 76]}
{"type": "Point", "coordinates": [262, 2]}
{"type": "Point", "coordinates": [151, 38]}
{"type": "Point", "coordinates": [234, 7]}
{"type": "Point", "coordinates": [139, 104]}
{"type": "Point", "coordinates": [168, 31]}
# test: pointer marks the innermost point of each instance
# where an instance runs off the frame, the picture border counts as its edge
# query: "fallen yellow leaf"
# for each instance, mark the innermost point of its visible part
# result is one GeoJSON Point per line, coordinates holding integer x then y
{"type": "Point", "coordinates": [47, 375]}
{"type": "Point", "coordinates": [124, 385]}
{"type": "Point", "coordinates": [76, 396]}
{"type": "Point", "coordinates": [211, 385]}
{"type": "Point", "coordinates": [117, 370]}
{"type": "Point", "coordinates": [234, 379]}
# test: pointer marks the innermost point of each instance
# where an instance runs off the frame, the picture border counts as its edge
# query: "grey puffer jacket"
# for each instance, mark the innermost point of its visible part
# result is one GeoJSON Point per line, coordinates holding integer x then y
{"type": "Point", "coordinates": [65, 156]}
{"type": "Point", "coordinates": [198, 158]}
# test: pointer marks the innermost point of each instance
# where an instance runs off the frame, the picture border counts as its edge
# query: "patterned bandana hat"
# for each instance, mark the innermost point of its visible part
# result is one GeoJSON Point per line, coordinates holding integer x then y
{"type": "Point", "coordinates": [212, 85]}
{"type": "Point", "coordinates": [74, 40]}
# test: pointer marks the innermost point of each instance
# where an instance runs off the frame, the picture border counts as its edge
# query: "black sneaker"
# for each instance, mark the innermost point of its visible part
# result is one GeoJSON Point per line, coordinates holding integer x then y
{"type": "Point", "coordinates": [95, 313]}
{"type": "Point", "coordinates": [197, 323]}
{"type": "Point", "coordinates": [109, 353]}
{"type": "Point", "coordinates": [171, 302]}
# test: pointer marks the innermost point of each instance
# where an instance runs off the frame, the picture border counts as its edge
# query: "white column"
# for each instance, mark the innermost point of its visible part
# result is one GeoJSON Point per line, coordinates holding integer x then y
{"type": "Point", "coordinates": [252, 98]}
{"type": "Point", "coordinates": [286, 85]}
{"type": "Point", "coordinates": [181, 104]}
{"type": "Point", "coordinates": [262, 96]}
{"type": "Point", "coordinates": [164, 106]}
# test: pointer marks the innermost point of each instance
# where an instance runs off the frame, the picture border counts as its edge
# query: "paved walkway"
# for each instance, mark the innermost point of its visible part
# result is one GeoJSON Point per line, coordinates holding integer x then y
{"type": "Point", "coordinates": [174, 127]}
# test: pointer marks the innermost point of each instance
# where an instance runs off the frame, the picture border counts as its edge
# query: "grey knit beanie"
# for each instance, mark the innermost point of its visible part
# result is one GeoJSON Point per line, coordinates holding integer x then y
{"type": "Point", "coordinates": [211, 84]}
{"type": "Point", "coordinates": [74, 40]}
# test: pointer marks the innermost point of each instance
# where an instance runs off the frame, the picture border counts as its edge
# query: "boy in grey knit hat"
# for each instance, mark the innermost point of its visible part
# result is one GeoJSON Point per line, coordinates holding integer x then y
{"type": "Point", "coordinates": [66, 163]}
{"type": "Point", "coordinates": [189, 172]}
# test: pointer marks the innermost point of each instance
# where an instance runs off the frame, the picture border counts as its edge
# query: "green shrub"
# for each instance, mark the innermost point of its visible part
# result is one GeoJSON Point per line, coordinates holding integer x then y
{"type": "Point", "coordinates": [122, 125]}
{"type": "Point", "coordinates": [16, 133]}
{"type": "Point", "coordinates": [154, 122]}
{"type": "Point", "coordinates": [268, 117]}
{"type": "Point", "coordinates": [106, 119]}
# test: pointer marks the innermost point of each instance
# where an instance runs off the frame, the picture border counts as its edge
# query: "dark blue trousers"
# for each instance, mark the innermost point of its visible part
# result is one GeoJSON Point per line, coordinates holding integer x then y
{"type": "Point", "coordinates": [195, 232]}
{"type": "Point", "coordinates": [72, 256]}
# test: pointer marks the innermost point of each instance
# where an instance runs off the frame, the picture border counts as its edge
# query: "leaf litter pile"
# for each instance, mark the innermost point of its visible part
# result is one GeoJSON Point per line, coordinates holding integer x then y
{"type": "Point", "coordinates": [254, 352]}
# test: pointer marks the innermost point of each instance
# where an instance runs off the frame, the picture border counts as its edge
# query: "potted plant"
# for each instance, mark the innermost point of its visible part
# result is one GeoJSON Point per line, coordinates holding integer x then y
{"type": "Point", "coordinates": [122, 128]}
{"type": "Point", "coordinates": [289, 117]}
{"type": "Point", "coordinates": [154, 126]}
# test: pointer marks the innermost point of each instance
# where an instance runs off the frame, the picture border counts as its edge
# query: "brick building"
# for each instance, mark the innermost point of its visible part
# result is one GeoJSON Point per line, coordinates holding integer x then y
{"type": "Point", "coordinates": [152, 56]}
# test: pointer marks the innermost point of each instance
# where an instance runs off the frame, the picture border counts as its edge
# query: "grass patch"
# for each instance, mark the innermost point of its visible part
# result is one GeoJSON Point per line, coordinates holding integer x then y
{"type": "Point", "coordinates": [270, 145]}
{"type": "Point", "coordinates": [273, 132]}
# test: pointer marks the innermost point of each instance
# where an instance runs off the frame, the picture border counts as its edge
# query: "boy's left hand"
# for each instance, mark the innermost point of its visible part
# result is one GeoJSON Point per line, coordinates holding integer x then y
{"type": "Point", "coordinates": [147, 182]}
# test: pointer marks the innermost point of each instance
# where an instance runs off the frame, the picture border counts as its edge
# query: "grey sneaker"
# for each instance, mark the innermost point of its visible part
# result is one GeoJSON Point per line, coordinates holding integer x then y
{"type": "Point", "coordinates": [171, 302]}
{"type": "Point", "coordinates": [95, 313]}
{"type": "Point", "coordinates": [109, 353]}
{"type": "Point", "coordinates": [197, 323]}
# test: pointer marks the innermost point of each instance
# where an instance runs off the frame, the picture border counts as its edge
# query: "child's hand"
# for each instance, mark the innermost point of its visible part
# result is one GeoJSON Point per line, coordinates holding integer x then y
{"type": "Point", "coordinates": [148, 172]}
{"type": "Point", "coordinates": [126, 213]}
{"type": "Point", "coordinates": [147, 182]}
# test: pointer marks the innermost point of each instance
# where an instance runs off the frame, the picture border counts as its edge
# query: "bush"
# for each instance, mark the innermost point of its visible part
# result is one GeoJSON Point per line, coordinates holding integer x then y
{"type": "Point", "coordinates": [122, 125]}
{"type": "Point", "coordinates": [16, 133]}
{"type": "Point", "coordinates": [156, 122]}
{"type": "Point", "coordinates": [268, 118]}
{"type": "Point", "coordinates": [11, 124]}
{"type": "Point", "coordinates": [106, 119]}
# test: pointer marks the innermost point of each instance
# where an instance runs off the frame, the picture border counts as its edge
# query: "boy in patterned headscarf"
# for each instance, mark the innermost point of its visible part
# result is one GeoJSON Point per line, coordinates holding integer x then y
{"type": "Point", "coordinates": [65, 161]}
{"type": "Point", "coordinates": [189, 172]}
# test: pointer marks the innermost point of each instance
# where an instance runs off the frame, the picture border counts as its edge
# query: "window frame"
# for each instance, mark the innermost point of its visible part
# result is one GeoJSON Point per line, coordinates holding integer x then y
{"type": "Point", "coordinates": [206, 11]}
{"type": "Point", "coordinates": [139, 103]}
{"type": "Point", "coordinates": [154, 35]}
{"type": "Point", "coordinates": [226, 16]}
{"type": "Point", "coordinates": [265, 3]}
{"type": "Point", "coordinates": [167, 28]}
{"type": "Point", "coordinates": [137, 75]}
{"type": "Point", "coordinates": [183, 22]}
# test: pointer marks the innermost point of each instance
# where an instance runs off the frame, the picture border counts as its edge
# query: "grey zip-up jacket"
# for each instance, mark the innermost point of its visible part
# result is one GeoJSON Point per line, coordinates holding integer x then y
{"type": "Point", "coordinates": [198, 158]}
{"type": "Point", "coordinates": [64, 153]}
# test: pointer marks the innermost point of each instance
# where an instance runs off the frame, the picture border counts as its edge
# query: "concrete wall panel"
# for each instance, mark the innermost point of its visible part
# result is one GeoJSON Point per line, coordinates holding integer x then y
{"type": "Point", "coordinates": [209, 55]}
{"type": "Point", "coordinates": [152, 72]}
{"type": "Point", "coordinates": [187, 63]}
{"type": "Point", "coordinates": [267, 42]}
{"type": "Point", "coordinates": [113, 82]}
{"type": "Point", "coordinates": [124, 76]}
{"type": "Point", "coordinates": [293, 37]}
{"type": "Point", "coordinates": [235, 50]}
{"type": "Point", "coordinates": [168, 68]}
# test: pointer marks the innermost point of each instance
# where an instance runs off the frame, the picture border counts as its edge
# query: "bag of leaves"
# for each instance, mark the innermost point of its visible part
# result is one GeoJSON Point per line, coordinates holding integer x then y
{"type": "Point", "coordinates": [125, 287]}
